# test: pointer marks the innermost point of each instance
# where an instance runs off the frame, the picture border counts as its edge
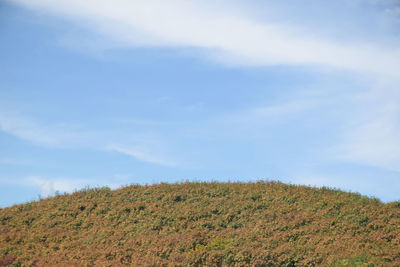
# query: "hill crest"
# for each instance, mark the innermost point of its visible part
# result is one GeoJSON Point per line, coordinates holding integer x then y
{"type": "Point", "coordinates": [197, 224]}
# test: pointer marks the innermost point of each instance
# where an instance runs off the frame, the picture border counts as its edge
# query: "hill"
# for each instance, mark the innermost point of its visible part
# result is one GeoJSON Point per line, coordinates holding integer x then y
{"type": "Point", "coordinates": [202, 224]}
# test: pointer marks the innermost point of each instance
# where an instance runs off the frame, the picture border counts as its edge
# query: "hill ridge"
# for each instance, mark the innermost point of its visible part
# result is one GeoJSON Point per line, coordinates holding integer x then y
{"type": "Point", "coordinates": [198, 224]}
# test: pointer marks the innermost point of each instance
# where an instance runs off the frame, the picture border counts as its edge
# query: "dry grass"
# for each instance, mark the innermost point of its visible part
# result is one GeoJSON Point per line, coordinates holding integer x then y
{"type": "Point", "coordinates": [202, 224]}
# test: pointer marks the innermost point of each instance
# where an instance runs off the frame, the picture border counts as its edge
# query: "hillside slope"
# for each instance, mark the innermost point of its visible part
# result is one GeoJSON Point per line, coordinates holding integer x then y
{"type": "Point", "coordinates": [198, 224]}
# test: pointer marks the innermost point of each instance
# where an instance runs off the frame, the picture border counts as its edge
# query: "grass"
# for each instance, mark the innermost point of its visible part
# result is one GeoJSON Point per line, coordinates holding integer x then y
{"type": "Point", "coordinates": [202, 224]}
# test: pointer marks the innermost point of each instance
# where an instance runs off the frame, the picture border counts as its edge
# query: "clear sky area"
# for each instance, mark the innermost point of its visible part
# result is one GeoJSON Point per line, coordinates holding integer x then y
{"type": "Point", "coordinates": [112, 93]}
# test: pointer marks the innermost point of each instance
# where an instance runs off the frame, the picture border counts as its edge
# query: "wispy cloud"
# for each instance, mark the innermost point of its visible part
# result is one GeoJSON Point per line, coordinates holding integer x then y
{"type": "Point", "coordinates": [60, 135]}
{"type": "Point", "coordinates": [28, 130]}
{"type": "Point", "coordinates": [228, 36]}
{"type": "Point", "coordinates": [141, 154]}
{"type": "Point", "coordinates": [395, 11]}
{"type": "Point", "coordinates": [375, 142]}
{"type": "Point", "coordinates": [268, 113]}
{"type": "Point", "coordinates": [48, 186]}
{"type": "Point", "coordinates": [140, 146]}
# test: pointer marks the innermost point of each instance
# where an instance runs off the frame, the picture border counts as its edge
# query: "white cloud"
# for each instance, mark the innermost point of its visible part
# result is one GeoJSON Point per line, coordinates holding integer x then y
{"type": "Point", "coordinates": [375, 142]}
{"type": "Point", "coordinates": [395, 11]}
{"type": "Point", "coordinates": [28, 130]}
{"type": "Point", "coordinates": [270, 113]}
{"type": "Point", "coordinates": [70, 136]}
{"type": "Point", "coordinates": [141, 154]}
{"type": "Point", "coordinates": [229, 36]}
{"type": "Point", "coordinates": [59, 135]}
{"type": "Point", "coordinates": [48, 187]}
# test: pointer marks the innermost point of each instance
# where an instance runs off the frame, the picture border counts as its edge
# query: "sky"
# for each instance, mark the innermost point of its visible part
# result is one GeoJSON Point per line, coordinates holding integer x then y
{"type": "Point", "coordinates": [112, 93]}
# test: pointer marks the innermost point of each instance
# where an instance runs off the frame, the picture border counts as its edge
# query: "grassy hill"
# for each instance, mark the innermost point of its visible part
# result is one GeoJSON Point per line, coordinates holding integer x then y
{"type": "Point", "coordinates": [202, 224]}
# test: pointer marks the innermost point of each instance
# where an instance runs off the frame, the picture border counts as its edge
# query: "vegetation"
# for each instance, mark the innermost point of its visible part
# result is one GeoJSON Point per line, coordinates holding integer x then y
{"type": "Point", "coordinates": [202, 224]}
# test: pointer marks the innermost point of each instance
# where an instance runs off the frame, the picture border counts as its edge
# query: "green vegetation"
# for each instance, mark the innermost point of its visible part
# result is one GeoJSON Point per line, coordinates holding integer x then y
{"type": "Point", "coordinates": [202, 224]}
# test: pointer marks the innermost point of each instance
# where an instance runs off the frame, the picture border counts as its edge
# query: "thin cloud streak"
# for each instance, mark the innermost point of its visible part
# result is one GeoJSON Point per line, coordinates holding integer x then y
{"type": "Point", "coordinates": [264, 114]}
{"type": "Point", "coordinates": [27, 130]}
{"type": "Point", "coordinates": [69, 137]}
{"type": "Point", "coordinates": [141, 154]}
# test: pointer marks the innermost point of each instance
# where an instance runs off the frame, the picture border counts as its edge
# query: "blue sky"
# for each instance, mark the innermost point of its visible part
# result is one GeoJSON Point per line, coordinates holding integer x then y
{"type": "Point", "coordinates": [97, 93]}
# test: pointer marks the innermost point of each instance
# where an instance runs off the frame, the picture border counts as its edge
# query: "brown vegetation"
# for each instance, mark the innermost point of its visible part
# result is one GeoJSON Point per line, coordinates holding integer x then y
{"type": "Point", "coordinates": [202, 224]}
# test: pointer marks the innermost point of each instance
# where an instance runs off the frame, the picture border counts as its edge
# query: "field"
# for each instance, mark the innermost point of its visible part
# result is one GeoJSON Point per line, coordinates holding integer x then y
{"type": "Point", "coordinates": [202, 224]}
